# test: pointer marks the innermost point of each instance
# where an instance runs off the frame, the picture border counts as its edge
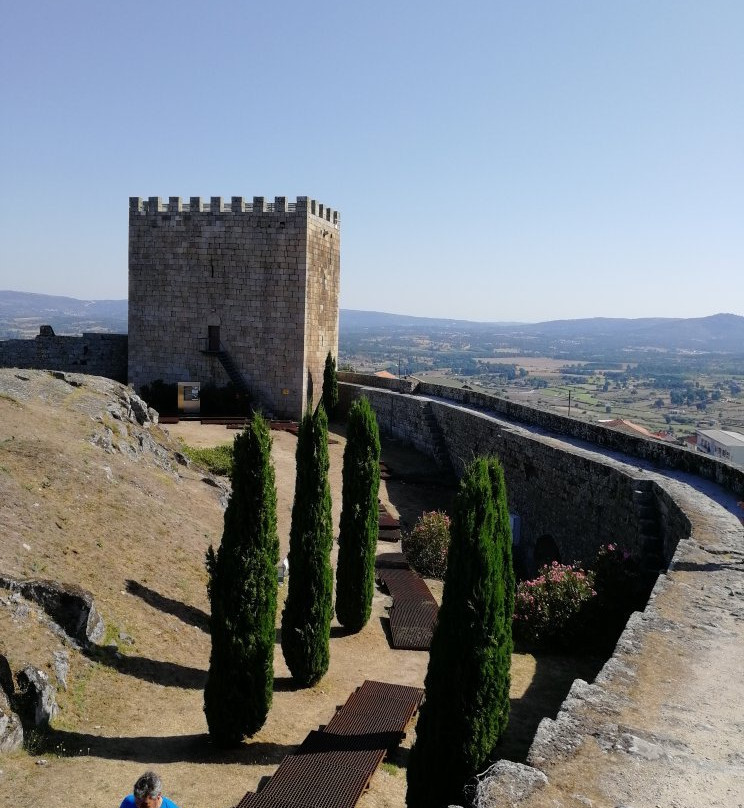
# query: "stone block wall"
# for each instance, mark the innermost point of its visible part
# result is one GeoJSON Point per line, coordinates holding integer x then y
{"type": "Point", "coordinates": [404, 385]}
{"type": "Point", "coordinates": [321, 300]}
{"type": "Point", "coordinates": [95, 354]}
{"type": "Point", "coordinates": [576, 500]}
{"type": "Point", "coordinates": [660, 453]}
{"type": "Point", "coordinates": [263, 276]}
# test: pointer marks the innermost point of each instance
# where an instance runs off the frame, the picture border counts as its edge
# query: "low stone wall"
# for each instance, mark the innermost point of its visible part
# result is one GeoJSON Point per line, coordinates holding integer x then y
{"type": "Point", "coordinates": [406, 385]}
{"type": "Point", "coordinates": [563, 495]}
{"type": "Point", "coordinates": [94, 354]}
{"type": "Point", "coordinates": [660, 453]}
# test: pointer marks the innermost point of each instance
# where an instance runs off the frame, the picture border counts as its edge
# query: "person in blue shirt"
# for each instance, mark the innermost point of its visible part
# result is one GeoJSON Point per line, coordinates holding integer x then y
{"type": "Point", "coordinates": [148, 793]}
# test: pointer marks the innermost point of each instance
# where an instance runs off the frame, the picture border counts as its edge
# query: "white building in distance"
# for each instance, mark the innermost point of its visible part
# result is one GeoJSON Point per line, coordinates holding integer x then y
{"type": "Point", "coordinates": [722, 444]}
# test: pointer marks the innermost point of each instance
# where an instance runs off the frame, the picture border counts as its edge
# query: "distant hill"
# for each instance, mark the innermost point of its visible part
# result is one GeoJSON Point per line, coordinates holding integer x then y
{"type": "Point", "coordinates": [21, 314]}
{"type": "Point", "coordinates": [716, 333]}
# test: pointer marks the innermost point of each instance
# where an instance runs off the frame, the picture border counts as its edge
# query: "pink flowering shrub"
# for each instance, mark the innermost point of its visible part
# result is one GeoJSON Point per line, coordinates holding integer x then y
{"type": "Point", "coordinates": [548, 609]}
{"type": "Point", "coordinates": [427, 545]}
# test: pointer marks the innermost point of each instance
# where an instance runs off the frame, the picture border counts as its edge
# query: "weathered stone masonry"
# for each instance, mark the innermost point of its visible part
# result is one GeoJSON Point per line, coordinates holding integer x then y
{"type": "Point", "coordinates": [257, 282]}
{"type": "Point", "coordinates": [95, 354]}
{"type": "Point", "coordinates": [577, 500]}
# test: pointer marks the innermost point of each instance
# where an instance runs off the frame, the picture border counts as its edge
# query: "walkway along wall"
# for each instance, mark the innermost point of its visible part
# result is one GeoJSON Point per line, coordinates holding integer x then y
{"type": "Point", "coordinates": [561, 494]}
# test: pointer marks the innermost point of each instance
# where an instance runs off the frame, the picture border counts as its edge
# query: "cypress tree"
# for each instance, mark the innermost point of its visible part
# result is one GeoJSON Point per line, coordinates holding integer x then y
{"type": "Point", "coordinates": [330, 386]}
{"type": "Point", "coordinates": [242, 590]}
{"type": "Point", "coordinates": [306, 620]}
{"type": "Point", "coordinates": [466, 707]}
{"type": "Point", "coordinates": [355, 574]}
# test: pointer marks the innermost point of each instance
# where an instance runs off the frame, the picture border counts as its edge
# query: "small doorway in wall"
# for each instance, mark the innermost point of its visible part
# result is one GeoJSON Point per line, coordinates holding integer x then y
{"type": "Point", "coordinates": [213, 339]}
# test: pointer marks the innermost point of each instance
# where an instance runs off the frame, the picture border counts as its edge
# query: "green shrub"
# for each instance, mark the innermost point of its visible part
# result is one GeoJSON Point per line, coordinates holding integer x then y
{"type": "Point", "coordinates": [550, 611]}
{"type": "Point", "coordinates": [216, 459]}
{"type": "Point", "coordinates": [622, 588]}
{"type": "Point", "coordinates": [213, 401]}
{"type": "Point", "coordinates": [427, 545]}
{"type": "Point", "coordinates": [225, 400]}
{"type": "Point", "coordinates": [161, 396]}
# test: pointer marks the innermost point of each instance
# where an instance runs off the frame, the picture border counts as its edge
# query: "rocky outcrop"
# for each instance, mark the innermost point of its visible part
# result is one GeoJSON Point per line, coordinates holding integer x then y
{"type": "Point", "coordinates": [36, 697]}
{"type": "Point", "coordinates": [507, 784]}
{"type": "Point", "coordinates": [70, 606]}
{"type": "Point", "coordinates": [11, 729]}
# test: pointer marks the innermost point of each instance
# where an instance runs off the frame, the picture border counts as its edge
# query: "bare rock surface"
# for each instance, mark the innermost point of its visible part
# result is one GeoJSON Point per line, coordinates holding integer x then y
{"type": "Point", "coordinates": [506, 783]}
{"type": "Point", "coordinates": [70, 606]}
{"type": "Point", "coordinates": [11, 729]}
{"type": "Point", "coordinates": [36, 696]}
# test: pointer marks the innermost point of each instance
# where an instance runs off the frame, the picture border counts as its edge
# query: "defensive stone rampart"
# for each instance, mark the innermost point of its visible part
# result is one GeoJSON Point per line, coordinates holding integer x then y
{"type": "Point", "coordinates": [95, 354]}
{"type": "Point", "coordinates": [565, 497]}
{"type": "Point", "coordinates": [656, 727]}
{"type": "Point", "coordinates": [660, 453]}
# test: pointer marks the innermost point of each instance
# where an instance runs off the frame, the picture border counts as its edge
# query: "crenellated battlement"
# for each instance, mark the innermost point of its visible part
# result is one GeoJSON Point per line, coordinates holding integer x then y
{"type": "Point", "coordinates": [155, 205]}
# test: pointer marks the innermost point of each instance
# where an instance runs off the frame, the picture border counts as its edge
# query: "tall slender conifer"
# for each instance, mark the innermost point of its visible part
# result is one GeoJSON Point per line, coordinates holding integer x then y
{"type": "Point", "coordinates": [466, 707]}
{"type": "Point", "coordinates": [355, 574]}
{"type": "Point", "coordinates": [330, 386]}
{"type": "Point", "coordinates": [242, 590]}
{"type": "Point", "coordinates": [306, 620]}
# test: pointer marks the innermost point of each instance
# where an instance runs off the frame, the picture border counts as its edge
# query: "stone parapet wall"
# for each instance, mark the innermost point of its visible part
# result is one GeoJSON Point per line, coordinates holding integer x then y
{"type": "Point", "coordinates": [569, 496]}
{"type": "Point", "coordinates": [94, 354]}
{"type": "Point", "coordinates": [400, 416]}
{"type": "Point", "coordinates": [660, 453]}
{"type": "Point", "coordinates": [661, 705]}
{"type": "Point", "coordinates": [405, 385]}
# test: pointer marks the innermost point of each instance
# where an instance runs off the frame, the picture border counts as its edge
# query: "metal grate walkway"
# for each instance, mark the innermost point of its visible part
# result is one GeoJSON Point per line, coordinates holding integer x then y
{"type": "Point", "coordinates": [414, 612]}
{"type": "Point", "coordinates": [333, 767]}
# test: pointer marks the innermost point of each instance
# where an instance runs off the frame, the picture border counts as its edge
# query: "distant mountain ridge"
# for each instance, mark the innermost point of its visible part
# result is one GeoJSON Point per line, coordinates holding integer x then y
{"type": "Point", "coordinates": [21, 314]}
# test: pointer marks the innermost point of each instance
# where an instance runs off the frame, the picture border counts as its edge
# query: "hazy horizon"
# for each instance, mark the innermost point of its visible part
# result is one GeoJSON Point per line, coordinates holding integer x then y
{"type": "Point", "coordinates": [406, 314]}
{"type": "Point", "coordinates": [491, 161]}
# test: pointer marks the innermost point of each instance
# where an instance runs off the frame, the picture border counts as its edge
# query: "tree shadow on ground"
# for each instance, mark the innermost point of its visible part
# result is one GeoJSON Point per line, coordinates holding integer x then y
{"type": "Point", "coordinates": [554, 675]}
{"type": "Point", "coordinates": [709, 566]}
{"type": "Point", "coordinates": [196, 748]}
{"type": "Point", "coordinates": [340, 631]}
{"type": "Point", "coordinates": [416, 483]}
{"type": "Point", "coordinates": [168, 674]}
{"type": "Point", "coordinates": [411, 499]}
{"type": "Point", "coordinates": [190, 615]}
{"type": "Point", "coordinates": [285, 684]}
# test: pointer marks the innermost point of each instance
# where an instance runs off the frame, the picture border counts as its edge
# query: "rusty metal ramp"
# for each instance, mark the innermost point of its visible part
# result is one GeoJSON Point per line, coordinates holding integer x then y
{"type": "Point", "coordinates": [414, 612]}
{"type": "Point", "coordinates": [412, 624]}
{"type": "Point", "coordinates": [333, 767]}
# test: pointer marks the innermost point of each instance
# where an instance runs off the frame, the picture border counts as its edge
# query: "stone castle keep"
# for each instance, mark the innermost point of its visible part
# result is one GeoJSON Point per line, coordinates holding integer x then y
{"type": "Point", "coordinates": [241, 291]}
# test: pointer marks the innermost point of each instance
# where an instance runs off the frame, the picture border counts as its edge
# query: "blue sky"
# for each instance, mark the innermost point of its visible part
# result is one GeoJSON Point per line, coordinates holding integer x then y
{"type": "Point", "coordinates": [524, 160]}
